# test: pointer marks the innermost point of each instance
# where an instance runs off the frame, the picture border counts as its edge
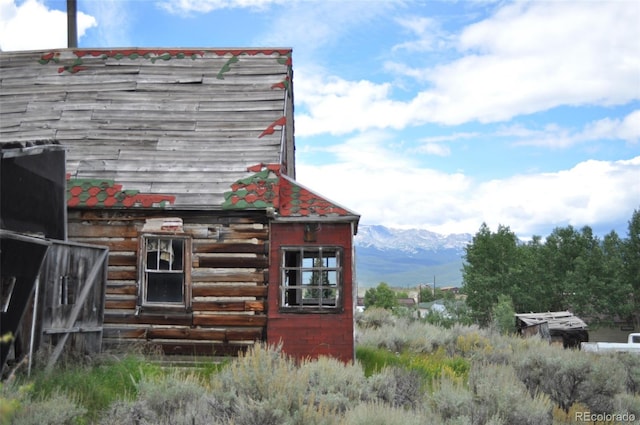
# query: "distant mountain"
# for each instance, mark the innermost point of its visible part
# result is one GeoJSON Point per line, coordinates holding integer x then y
{"type": "Point", "coordinates": [408, 257]}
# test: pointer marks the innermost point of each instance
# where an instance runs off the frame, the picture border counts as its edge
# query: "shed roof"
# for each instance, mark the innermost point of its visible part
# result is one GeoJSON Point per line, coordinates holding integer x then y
{"type": "Point", "coordinates": [177, 125]}
{"type": "Point", "coordinates": [564, 320]}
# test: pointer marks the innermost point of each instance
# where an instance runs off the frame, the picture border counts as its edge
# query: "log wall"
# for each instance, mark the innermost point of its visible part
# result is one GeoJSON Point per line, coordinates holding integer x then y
{"type": "Point", "coordinates": [229, 273]}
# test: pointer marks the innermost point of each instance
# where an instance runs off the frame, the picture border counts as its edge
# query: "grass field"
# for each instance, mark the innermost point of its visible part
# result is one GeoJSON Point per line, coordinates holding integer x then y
{"type": "Point", "coordinates": [407, 372]}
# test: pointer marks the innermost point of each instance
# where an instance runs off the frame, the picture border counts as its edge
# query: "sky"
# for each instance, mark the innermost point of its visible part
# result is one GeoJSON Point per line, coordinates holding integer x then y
{"type": "Point", "coordinates": [440, 115]}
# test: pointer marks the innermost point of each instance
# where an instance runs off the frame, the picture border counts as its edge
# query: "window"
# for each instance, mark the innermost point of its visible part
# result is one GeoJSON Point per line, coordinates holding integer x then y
{"type": "Point", "coordinates": [311, 278]}
{"type": "Point", "coordinates": [165, 261]}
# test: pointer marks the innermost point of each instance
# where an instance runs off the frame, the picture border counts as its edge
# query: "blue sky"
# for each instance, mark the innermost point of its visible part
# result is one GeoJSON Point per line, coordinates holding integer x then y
{"type": "Point", "coordinates": [432, 114]}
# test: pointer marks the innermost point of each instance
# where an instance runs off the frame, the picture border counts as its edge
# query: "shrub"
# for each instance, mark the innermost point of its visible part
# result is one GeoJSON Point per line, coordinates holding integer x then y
{"type": "Point", "coordinates": [398, 387]}
{"type": "Point", "coordinates": [606, 379]}
{"type": "Point", "coordinates": [333, 384]}
{"type": "Point", "coordinates": [631, 364]}
{"type": "Point", "coordinates": [55, 409]}
{"type": "Point", "coordinates": [451, 399]}
{"type": "Point", "coordinates": [498, 393]}
{"type": "Point", "coordinates": [383, 414]}
{"type": "Point", "coordinates": [174, 398]}
{"type": "Point", "coordinates": [375, 317]}
{"type": "Point", "coordinates": [627, 403]}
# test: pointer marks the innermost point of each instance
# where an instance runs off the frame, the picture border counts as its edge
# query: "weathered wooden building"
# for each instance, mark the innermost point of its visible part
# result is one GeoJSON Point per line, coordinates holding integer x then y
{"type": "Point", "coordinates": [51, 290]}
{"type": "Point", "coordinates": [561, 327]}
{"type": "Point", "coordinates": [182, 163]}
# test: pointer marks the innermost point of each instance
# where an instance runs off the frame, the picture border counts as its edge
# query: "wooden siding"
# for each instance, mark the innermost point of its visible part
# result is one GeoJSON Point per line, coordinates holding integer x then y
{"type": "Point", "coordinates": [72, 282]}
{"type": "Point", "coordinates": [186, 123]}
{"type": "Point", "coordinates": [229, 271]}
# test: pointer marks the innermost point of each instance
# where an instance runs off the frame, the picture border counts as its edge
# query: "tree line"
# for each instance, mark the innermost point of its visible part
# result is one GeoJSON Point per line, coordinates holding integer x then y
{"type": "Point", "coordinates": [571, 269]}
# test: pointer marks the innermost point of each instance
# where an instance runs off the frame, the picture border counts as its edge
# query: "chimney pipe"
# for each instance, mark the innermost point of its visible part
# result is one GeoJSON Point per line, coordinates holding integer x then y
{"type": "Point", "coordinates": [72, 24]}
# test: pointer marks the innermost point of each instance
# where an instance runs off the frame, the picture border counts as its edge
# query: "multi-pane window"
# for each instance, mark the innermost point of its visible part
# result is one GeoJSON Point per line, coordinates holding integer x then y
{"type": "Point", "coordinates": [311, 278]}
{"type": "Point", "coordinates": [165, 279]}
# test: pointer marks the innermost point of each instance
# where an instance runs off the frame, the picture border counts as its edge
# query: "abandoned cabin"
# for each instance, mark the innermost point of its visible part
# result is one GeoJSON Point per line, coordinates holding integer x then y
{"type": "Point", "coordinates": [557, 327]}
{"type": "Point", "coordinates": [171, 176]}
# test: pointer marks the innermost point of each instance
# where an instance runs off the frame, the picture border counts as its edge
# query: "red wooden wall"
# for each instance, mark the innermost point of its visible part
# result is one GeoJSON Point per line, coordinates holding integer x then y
{"type": "Point", "coordinates": [312, 334]}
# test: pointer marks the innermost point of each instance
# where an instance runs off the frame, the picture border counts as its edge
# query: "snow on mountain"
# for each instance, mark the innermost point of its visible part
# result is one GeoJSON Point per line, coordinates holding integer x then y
{"type": "Point", "coordinates": [410, 241]}
{"type": "Point", "coordinates": [408, 257]}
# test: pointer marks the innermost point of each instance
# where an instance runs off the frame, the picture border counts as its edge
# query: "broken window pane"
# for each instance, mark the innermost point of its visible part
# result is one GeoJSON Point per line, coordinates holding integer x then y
{"type": "Point", "coordinates": [311, 277]}
{"type": "Point", "coordinates": [164, 274]}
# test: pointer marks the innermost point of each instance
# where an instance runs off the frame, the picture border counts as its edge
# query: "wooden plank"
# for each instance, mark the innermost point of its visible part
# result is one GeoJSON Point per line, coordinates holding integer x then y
{"type": "Point", "coordinates": [230, 115]}
{"type": "Point", "coordinates": [116, 316]}
{"type": "Point", "coordinates": [187, 333]}
{"type": "Point", "coordinates": [75, 329]}
{"type": "Point", "coordinates": [123, 260]}
{"type": "Point", "coordinates": [234, 262]}
{"type": "Point", "coordinates": [109, 332]}
{"type": "Point", "coordinates": [120, 304]}
{"type": "Point", "coordinates": [239, 334]}
{"type": "Point", "coordinates": [229, 320]}
{"type": "Point", "coordinates": [205, 246]}
{"type": "Point", "coordinates": [121, 290]}
{"type": "Point", "coordinates": [234, 275]}
{"type": "Point", "coordinates": [228, 291]}
{"type": "Point", "coordinates": [121, 229]}
{"type": "Point", "coordinates": [225, 306]}
{"type": "Point", "coordinates": [203, 348]}
{"type": "Point", "coordinates": [113, 245]}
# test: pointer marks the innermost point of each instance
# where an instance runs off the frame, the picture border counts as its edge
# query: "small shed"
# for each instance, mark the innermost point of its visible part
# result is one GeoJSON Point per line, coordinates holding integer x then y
{"type": "Point", "coordinates": [561, 326]}
{"type": "Point", "coordinates": [52, 290]}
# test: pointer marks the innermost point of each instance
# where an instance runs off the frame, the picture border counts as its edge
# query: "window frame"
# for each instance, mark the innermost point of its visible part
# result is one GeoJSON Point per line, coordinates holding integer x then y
{"type": "Point", "coordinates": [299, 271]}
{"type": "Point", "coordinates": [144, 270]}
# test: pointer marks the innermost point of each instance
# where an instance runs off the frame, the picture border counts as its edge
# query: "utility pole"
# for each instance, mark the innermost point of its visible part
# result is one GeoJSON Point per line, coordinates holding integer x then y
{"type": "Point", "coordinates": [72, 24]}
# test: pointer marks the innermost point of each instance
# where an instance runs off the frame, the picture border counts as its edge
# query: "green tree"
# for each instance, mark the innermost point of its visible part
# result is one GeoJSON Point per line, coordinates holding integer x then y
{"type": "Point", "coordinates": [320, 279]}
{"type": "Point", "coordinates": [616, 291]}
{"type": "Point", "coordinates": [426, 295]}
{"type": "Point", "coordinates": [530, 276]}
{"type": "Point", "coordinates": [489, 268]}
{"type": "Point", "coordinates": [503, 315]}
{"type": "Point", "coordinates": [381, 296]}
{"type": "Point", "coordinates": [584, 282]}
{"type": "Point", "coordinates": [631, 263]}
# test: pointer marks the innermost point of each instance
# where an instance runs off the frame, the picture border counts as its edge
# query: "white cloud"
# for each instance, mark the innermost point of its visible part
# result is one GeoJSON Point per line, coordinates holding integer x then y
{"type": "Point", "coordinates": [591, 192]}
{"type": "Point", "coordinates": [114, 19]}
{"type": "Point", "coordinates": [32, 25]}
{"type": "Point", "coordinates": [625, 129]}
{"type": "Point", "coordinates": [431, 148]}
{"type": "Point", "coordinates": [430, 35]}
{"type": "Point", "coordinates": [533, 56]}
{"type": "Point", "coordinates": [183, 7]}
{"type": "Point", "coordinates": [337, 106]}
{"type": "Point", "coordinates": [528, 57]}
{"type": "Point", "coordinates": [388, 187]}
